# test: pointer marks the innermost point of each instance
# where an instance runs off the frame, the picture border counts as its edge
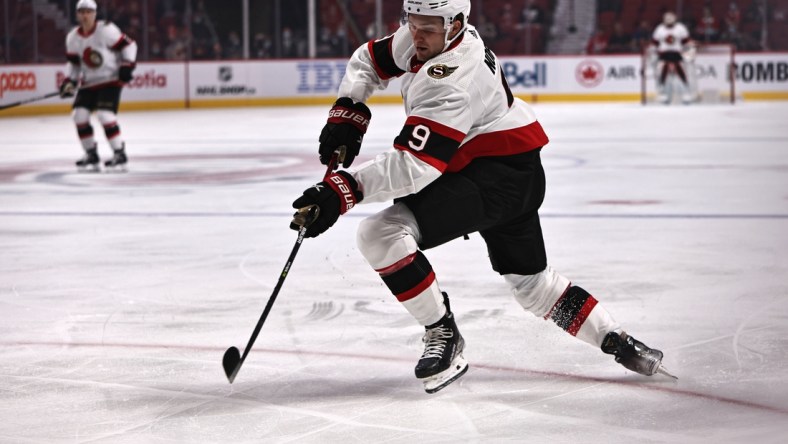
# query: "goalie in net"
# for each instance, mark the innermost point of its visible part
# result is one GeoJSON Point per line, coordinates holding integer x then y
{"type": "Point", "coordinates": [677, 69]}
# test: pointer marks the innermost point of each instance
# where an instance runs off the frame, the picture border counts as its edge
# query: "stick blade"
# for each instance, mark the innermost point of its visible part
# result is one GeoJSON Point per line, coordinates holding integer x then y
{"type": "Point", "coordinates": [231, 363]}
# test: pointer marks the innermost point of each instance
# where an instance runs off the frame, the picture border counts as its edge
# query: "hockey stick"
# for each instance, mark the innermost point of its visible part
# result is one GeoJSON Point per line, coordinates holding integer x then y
{"type": "Point", "coordinates": [232, 359]}
{"type": "Point", "coordinates": [32, 99]}
{"type": "Point", "coordinates": [48, 95]}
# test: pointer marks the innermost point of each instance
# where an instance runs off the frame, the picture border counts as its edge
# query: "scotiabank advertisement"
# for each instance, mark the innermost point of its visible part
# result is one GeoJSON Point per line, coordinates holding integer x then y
{"type": "Point", "coordinates": [758, 76]}
{"type": "Point", "coordinates": [159, 82]}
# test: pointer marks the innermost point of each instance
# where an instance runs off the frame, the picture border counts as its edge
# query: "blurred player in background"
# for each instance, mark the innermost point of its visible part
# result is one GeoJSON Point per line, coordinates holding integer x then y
{"type": "Point", "coordinates": [675, 52]}
{"type": "Point", "coordinates": [103, 59]}
{"type": "Point", "coordinates": [466, 160]}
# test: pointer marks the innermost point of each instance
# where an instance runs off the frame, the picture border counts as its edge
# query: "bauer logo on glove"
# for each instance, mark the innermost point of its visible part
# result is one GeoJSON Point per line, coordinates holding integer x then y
{"type": "Point", "coordinates": [344, 131]}
{"type": "Point", "coordinates": [340, 184]}
{"type": "Point", "coordinates": [331, 198]}
{"type": "Point", "coordinates": [344, 115]}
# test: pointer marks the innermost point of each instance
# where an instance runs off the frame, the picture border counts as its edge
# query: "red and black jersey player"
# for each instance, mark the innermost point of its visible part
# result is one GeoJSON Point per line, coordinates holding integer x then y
{"type": "Point", "coordinates": [466, 160]}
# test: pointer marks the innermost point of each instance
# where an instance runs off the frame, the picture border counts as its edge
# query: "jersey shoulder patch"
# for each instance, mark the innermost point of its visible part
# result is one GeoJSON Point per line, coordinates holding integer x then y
{"type": "Point", "coordinates": [441, 71]}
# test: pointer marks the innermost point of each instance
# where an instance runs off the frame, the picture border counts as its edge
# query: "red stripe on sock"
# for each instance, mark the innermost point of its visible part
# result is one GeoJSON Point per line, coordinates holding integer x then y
{"type": "Point", "coordinates": [581, 316]}
{"type": "Point", "coordinates": [415, 291]}
{"type": "Point", "coordinates": [399, 265]}
{"type": "Point", "coordinates": [563, 295]}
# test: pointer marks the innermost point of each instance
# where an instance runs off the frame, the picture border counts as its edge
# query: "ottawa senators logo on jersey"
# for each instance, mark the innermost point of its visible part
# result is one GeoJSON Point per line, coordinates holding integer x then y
{"type": "Point", "coordinates": [92, 59]}
{"type": "Point", "coordinates": [441, 71]}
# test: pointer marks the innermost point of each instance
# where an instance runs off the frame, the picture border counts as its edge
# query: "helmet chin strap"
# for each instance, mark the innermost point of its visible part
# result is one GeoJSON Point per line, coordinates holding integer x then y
{"type": "Point", "coordinates": [446, 38]}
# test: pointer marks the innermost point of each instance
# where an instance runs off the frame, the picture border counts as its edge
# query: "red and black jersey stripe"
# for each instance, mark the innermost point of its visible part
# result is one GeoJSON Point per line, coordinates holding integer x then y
{"type": "Point", "coordinates": [572, 309]}
{"type": "Point", "coordinates": [500, 143]}
{"type": "Point", "coordinates": [112, 130]}
{"type": "Point", "coordinates": [383, 59]}
{"type": "Point", "coordinates": [72, 58]}
{"type": "Point", "coordinates": [84, 130]}
{"type": "Point", "coordinates": [509, 95]}
{"type": "Point", "coordinates": [122, 42]}
{"type": "Point", "coordinates": [430, 141]}
{"type": "Point", "coordinates": [414, 276]}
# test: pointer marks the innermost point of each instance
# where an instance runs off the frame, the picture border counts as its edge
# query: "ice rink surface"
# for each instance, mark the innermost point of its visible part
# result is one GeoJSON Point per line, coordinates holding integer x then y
{"type": "Point", "coordinates": [119, 293]}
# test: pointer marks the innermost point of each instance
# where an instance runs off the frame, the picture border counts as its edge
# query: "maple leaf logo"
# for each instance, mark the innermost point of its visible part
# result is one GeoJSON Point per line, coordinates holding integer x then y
{"type": "Point", "coordinates": [589, 73]}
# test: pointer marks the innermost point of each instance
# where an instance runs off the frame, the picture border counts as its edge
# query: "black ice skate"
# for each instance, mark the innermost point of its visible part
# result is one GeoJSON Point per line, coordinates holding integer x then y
{"type": "Point", "coordinates": [89, 162]}
{"type": "Point", "coordinates": [442, 361]}
{"type": "Point", "coordinates": [118, 161]}
{"type": "Point", "coordinates": [634, 355]}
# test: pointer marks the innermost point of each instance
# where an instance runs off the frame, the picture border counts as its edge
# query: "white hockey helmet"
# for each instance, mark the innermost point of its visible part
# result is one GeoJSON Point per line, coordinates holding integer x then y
{"type": "Point", "coordinates": [669, 18]}
{"type": "Point", "coordinates": [450, 10]}
{"type": "Point", "coordinates": [86, 4]}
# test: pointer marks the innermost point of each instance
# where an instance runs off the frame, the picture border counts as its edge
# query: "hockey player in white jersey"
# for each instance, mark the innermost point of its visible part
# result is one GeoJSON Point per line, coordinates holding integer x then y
{"type": "Point", "coordinates": [103, 58]}
{"type": "Point", "coordinates": [672, 40]}
{"type": "Point", "coordinates": [466, 160]}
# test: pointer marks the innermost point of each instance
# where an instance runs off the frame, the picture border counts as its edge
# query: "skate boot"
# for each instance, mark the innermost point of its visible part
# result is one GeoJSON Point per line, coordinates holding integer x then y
{"type": "Point", "coordinates": [89, 162]}
{"type": "Point", "coordinates": [118, 161]}
{"type": "Point", "coordinates": [442, 361]}
{"type": "Point", "coordinates": [634, 355]}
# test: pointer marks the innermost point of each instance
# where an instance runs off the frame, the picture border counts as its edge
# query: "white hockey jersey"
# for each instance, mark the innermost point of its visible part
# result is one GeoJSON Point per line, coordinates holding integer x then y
{"type": "Point", "coordinates": [96, 56]}
{"type": "Point", "coordinates": [458, 104]}
{"type": "Point", "coordinates": [670, 38]}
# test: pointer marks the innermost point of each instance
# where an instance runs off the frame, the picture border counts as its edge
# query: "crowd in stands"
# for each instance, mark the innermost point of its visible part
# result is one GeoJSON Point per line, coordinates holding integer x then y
{"type": "Point", "coordinates": [185, 30]}
{"type": "Point", "coordinates": [191, 30]}
{"type": "Point", "coordinates": [517, 27]}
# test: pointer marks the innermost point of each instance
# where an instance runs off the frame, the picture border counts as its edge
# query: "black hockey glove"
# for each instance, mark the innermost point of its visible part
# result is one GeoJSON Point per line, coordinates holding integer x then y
{"type": "Point", "coordinates": [344, 131]}
{"type": "Point", "coordinates": [333, 197]}
{"type": "Point", "coordinates": [125, 74]}
{"type": "Point", "coordinates": [68, 88]}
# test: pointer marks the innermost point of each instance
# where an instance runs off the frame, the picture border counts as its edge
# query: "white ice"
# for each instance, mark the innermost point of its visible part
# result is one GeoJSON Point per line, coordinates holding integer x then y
{"type": "Point", "coordinates": [119, 293]}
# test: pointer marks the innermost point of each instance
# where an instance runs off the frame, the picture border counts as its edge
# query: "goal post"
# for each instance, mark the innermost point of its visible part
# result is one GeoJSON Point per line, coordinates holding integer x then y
{"type": "Point", "coordinates": [710, 71]}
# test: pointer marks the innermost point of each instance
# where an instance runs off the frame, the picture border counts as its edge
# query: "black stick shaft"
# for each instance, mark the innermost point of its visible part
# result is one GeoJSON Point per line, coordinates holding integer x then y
{"type": "Point", "coordinates": [231, 368]}
{"type": "Point", "coordinates": [32, 99]}
{"type": "Point", "coordinates": [285, 271]}
{"type": "Point", "coordinates": [48, 95]}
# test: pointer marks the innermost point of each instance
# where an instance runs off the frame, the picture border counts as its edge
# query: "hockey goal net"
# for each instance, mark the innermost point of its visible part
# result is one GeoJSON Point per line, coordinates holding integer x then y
{"type": "Point", "coordinates": [710, 71]}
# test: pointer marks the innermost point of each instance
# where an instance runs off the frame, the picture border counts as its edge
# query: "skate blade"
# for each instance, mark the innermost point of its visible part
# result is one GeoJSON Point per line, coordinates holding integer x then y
{"type": "Point", "coordinates": [436, 382]}
{"type": "Point", "coordinates": [89, 169]}
{"type": "Point", "coordinates": [116, 169]}
{"type": "Point", "coordinates": [663, 371]}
